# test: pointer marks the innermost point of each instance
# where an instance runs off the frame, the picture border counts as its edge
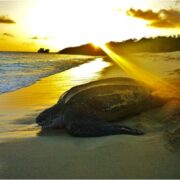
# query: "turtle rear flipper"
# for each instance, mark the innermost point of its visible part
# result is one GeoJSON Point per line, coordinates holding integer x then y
{"type": "Point", "coordinates": [93, 128]}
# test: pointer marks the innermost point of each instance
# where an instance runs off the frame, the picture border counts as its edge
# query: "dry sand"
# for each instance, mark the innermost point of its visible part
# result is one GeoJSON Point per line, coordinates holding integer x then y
{"type": "Point", "coordinates": [26, 152]}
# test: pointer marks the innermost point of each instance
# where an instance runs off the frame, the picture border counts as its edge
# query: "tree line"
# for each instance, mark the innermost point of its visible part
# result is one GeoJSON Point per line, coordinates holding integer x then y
{"type": "Point", "coordinates": [153, 44]}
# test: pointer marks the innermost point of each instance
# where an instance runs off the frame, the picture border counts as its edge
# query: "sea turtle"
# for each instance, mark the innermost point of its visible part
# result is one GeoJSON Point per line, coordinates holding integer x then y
{"type": "Point", "coordinates": [89, 110]}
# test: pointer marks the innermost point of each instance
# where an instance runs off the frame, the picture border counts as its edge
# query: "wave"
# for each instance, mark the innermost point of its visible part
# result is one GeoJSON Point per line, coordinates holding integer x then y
{"type": "Point", "coordinates": [18, 70]}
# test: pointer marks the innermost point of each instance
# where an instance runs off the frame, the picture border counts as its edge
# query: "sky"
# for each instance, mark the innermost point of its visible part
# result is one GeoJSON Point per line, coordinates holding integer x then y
{"type": "Point", "coordinates": [27, 25]}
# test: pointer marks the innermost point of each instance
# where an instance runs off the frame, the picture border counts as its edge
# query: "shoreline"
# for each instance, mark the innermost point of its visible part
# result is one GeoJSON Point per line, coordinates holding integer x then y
{"type": "Point", "coordinates": [28, 152]}
{"type": "Point", "coordinates": [90, 59]}
{"type": "Point", "coordinates": [44, 93]}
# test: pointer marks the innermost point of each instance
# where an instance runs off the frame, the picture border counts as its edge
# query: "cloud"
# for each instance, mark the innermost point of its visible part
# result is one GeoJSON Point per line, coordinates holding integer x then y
{"type": "Point", "coordinates": [6, 20]}
{"type": "Point", "coordinates": [46, 38]}
{"type": "Point", "coordinates": [147, 15]}
{"type": "Point", "coordinates": [35, 38]}
{"type": "Point", "coordinates": [164, 18]}
{"type": "Point", "coordinates": [39, 38]}
{"type": "Point", "coordinates": [8, 35]}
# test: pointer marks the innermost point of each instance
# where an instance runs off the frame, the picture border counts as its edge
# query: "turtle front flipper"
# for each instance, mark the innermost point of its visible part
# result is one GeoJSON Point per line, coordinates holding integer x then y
{"type": "Point", "coordinates": [93, 128]}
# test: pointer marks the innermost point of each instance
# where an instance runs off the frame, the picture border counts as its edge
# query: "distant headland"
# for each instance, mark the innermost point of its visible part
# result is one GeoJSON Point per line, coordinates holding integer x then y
{"type": "Point", "coordinates": [86, 49]}
{"type": "Point", "coordinates": [156, 44]}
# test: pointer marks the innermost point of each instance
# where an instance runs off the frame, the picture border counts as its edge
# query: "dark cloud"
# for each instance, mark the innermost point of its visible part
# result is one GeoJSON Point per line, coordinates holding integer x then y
{"type": "Point", "coordinates": [6, 20]}
{"type": "Point", "coordinates": [8, 35]}
{"type": "Point", "coordinates": [39, 38]}
{"type": "Point", "coordinates": [164, 18]}
{"type": "Point", "coordinates": [35, 38]}
{"type": "Point", "coordinates": [147, 15]}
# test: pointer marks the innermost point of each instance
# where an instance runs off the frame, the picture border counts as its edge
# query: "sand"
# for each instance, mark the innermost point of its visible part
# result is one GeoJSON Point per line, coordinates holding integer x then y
{"type": "Point", "coordinates": [27, 152]}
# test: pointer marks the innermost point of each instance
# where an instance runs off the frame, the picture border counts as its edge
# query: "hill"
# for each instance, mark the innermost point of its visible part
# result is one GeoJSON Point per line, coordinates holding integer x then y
{"type": "Point", "coordinates": [157, 44]}
{"type": "Point", "coordinates": [86, 49]}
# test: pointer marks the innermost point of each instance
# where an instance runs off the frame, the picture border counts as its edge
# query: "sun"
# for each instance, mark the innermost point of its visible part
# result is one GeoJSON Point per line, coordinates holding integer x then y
{"type": "Point", "coordinates": [98, 44]}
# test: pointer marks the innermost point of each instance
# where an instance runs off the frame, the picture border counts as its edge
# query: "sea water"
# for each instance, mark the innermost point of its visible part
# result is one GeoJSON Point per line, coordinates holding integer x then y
{"type": "Point", "coordinates": [18, 70]}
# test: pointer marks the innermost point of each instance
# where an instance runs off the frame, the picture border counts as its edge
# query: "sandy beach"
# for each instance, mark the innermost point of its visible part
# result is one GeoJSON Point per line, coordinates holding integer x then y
{"type": "Point", "coordinates": [27, 152]}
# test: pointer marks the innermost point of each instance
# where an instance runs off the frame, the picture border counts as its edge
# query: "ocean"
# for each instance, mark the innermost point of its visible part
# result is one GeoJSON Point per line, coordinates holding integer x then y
{"type": "Point", "coordinates": [18, 70]}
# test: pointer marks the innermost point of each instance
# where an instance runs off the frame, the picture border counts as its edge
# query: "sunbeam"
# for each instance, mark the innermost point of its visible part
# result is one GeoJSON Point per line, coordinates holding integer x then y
{"type": "Point", "coordinates": [161, 86]}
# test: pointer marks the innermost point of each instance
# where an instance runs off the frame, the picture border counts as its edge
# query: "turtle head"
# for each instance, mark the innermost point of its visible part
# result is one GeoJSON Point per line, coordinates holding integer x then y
{"type": "Point", "coordinates": [51, 118]}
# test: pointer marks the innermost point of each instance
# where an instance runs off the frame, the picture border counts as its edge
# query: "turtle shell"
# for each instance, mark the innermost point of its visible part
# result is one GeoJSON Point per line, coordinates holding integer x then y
{"type": "Point", "coordinates": [108, 99]}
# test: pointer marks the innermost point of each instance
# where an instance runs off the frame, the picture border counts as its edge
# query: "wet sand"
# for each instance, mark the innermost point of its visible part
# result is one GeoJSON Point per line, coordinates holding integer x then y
{"type": "Point", "coordinates": [27, 152]}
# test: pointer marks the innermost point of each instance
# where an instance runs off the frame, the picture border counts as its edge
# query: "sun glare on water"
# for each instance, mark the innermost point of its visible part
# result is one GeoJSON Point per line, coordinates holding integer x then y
{"type": "Point", "coordinates": [90, 69]}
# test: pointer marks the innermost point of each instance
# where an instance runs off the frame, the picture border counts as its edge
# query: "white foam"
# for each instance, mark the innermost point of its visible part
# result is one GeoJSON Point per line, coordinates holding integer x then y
{"type": "Point", "coordinates": [18, 70]}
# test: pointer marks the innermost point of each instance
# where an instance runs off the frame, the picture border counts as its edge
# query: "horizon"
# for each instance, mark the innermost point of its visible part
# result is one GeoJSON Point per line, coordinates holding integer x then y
{"type": "Point", "coordinates": [57, 24]}
{"type": "Point", "coordinates": [96, 45]}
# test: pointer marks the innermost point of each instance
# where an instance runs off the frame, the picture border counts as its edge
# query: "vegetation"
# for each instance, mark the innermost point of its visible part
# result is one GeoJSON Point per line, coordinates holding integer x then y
{"type": "Point", "coordinates": [86, 49]}
{"type": "Point", "coordinates": [157, 44]}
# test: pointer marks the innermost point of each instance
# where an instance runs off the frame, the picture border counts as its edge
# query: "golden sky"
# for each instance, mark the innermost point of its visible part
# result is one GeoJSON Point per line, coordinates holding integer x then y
{"type": "Point", "coordinates": [27, 25]}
